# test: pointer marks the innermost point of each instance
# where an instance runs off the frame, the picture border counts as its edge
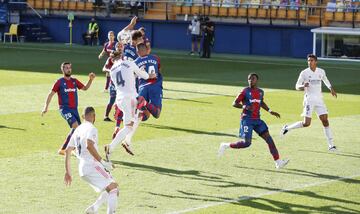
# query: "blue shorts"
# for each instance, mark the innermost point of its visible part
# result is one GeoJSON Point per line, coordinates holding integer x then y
{"type": "Point", "coordinates": [112, 90]}
{"type": "Point", "coordinates": [70, 115]}
{"type": "Point", "coordinates": [248, 125]}
{"type": "Point", "coordinates": [152, 93]}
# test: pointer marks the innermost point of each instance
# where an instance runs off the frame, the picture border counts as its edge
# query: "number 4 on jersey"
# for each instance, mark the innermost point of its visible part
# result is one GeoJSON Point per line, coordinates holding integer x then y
{"type": "Point", "coordinates": [119, 79]}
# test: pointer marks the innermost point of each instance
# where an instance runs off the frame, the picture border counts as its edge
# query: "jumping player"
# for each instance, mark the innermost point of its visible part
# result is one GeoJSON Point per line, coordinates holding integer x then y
{"type": "Point", "coordinates": [123, 76]}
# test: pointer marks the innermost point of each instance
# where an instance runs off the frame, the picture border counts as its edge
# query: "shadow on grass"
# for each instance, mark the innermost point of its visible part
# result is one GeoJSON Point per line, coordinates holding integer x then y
{"type": "Point", "coordinates": [188, 174]}
{"type": "Point", "coordinates": [197, 92]}
{"type": "Point", "coordinates": [14, 128]}
{"type": "Point", "coordinates": [300, 172]}
{"type": "Point", "coordinates": [193, 131]}
{"type": "Point", "coordinates": [265, 204]}
{"type": "Point", "coordinates": [351, 155]}
{"type": "Point", "coordinates": [269, 205]}
{"type": "Point", "coordinates": [187, 100]}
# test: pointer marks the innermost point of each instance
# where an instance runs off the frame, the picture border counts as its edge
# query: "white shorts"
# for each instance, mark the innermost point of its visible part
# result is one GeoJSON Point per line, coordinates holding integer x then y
{"type": "Point", "coordinates": [98, 178]}
{"type": "Point", "coordinates": [128, 106]}
{"type": "Point", "coordinates": [309, 106]}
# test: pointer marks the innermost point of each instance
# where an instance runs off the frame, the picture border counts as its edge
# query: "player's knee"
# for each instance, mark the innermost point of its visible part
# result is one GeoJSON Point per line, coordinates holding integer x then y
{"type": "Point", "coordinates": [157, 114]}
{"type": "Point", "coordinates": [111, 186]}
{"type": "Point", "coordinates": [306, 124]}
{"type": "Point", "coordinates": [325, 123]}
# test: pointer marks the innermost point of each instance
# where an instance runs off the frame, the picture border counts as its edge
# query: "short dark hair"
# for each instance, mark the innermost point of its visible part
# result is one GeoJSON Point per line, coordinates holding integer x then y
{"type": "Point", "coordinates": [253, 74]}
{"type": "Point", "coordinates": [312, 56]}
{"type": "Point", "coordinates": [88, 110]}
{"type": "Point", "coordinates": [137, 34]}
{"type": "Point", "coordinates": [115, 54]}
{"type": "Point", "coordinates": [63, 64]}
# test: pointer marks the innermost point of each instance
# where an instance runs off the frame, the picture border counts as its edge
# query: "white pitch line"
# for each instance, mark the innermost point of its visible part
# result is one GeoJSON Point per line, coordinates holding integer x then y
{"type": "Point", "coordinates": [262, 194]}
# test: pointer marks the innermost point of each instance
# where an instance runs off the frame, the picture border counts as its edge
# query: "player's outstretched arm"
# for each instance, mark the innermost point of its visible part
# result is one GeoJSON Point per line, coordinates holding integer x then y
{"type": "Point", "coordinates": [88, 84]}
{"type": "Point", "coordinates": [132, 23]}
{"type": "Point", "coordinates": [91, 148]}
{"type": "Point", "coordinates": [265, 106]}
{"type": "Point", "coordinates": [67, 176]}
{"type": "Point", "coordinates": [101, 54]}
{"type": "Point", "coordinates": [47, 102]}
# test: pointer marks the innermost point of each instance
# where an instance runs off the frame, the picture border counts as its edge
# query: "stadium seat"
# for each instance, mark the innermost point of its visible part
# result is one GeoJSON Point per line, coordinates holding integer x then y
{"type": "Point", "coordinates": [72, 5]}
{"type": "Point", "coordinates": [302, 14]}
{"type": "Point", "coordinates": [262, 13]}
{"type": "Point", "coordinates": [242, 12]}
{"type": "Point", "coordinates": [81, 6]}
{"type": "Point", "coordinates": [292, 14]}
{"type": "Point", "coordinates": [196, 9]}
{"type": "Point", "coordinates": [223, 11]}
{"type": "Point", "coordinates": [46, 4]}
{"type": "Point", "coordinates": [339, 16]}
{"type": "Point", "coordinates": [185, 10]}
{"type": "Point", "coordinates": [281, 14]}
{"type": "Point", "coordinates": [55, 5]}
{"type": "Point", "coordinates": [349, 17]}
{"type": "Point", "coordinates": [176, 9]}
{"type": "Point", "coordinates": [88, 6]}
{"type": "Point", "coordinates": [252, 12]}
{"type": "Point", "coordinates": [13, 31]}
{"type": "Point", "coordinates": [233, 11]}
{"type": "Point", "coordinates": [214, 11]}
{"type": "Point", "coordinates": [329, 16]}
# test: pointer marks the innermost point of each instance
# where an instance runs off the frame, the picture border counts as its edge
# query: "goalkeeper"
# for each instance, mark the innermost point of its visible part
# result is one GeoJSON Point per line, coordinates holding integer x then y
{"type": "Point", "coordinates": [92, 168]}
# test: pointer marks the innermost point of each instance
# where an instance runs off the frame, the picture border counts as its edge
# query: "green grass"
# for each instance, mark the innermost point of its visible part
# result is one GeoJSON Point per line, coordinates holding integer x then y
{"type": "Point", "coordinates": [175, 167]}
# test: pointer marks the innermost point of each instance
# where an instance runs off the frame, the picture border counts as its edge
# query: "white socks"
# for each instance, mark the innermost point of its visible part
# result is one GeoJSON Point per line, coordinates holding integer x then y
{"type": "Point", "coordinates": [131, 134]}
{"type": "Point", "coordinates": [329, 136]}
{"type": "Point", "coordinates": [100, 200]}
{"type": "Point", "coordinates": [112, 201]}
{"type": "Point", "coordinates": [120, 136]}
{"type": "Point", "coordinates": [295, 125]}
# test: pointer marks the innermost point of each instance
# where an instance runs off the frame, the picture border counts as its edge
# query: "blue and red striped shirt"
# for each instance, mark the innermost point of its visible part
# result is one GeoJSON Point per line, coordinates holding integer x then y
{"type": "Point", "coordinates": [251, 97]}
{"type": "Point", "coordinates": [109, 47]}
{"type": "Point", "coordinates": [67, 92]}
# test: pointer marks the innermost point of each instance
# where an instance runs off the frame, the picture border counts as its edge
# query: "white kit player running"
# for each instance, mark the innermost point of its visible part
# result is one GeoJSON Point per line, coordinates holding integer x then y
{"type": "Point", "coordinates": [92, 168]}
{"type": "Point", "coordinates": [310, 81]}
{"type": "Point", "coordinates": [123, 76]}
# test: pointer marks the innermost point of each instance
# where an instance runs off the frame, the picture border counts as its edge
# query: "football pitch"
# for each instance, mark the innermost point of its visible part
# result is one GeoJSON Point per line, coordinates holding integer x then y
{"type": "Point", "coordinates": [175, 168]}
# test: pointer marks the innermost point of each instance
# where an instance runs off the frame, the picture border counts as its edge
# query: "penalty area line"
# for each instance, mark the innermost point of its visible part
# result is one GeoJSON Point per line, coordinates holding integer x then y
{"type": "Point", "coordinates": [243, 198]}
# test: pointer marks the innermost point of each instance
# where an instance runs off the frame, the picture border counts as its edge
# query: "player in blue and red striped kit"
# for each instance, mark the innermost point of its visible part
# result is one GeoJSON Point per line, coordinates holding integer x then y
{"type": "Point", "coordinates": [109, 47]}
{"type": "Point", "coordinates": [251, 99]}
{"type": "Point", "coordinates": [66, 89]}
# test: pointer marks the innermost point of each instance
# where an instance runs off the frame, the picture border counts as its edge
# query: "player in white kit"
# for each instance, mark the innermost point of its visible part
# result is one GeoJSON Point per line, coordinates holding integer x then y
{"type": "Point", "coordinates": [310, 81]}
{"type": "Point", "coordinates": [123, 76]}
{"type": "Point", "coordinates": [92, 168]}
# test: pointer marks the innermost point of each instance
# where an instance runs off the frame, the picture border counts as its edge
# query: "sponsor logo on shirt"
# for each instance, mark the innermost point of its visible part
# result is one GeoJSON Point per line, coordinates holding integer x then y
{"type": "Point", "coordinates": [69, 90]}
{"type": "Point", "coordinates": [254, 101]}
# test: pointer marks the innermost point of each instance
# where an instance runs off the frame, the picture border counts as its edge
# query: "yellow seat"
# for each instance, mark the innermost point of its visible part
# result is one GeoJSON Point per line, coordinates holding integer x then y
{"type": "Point", "coordinates": [291, 14]}
{"type": "Point", "coordinates": [13, 31]}
{"type": "Point", "coordinates": [262, 13]}
{"type": "Point", "coordinates": [233, 11]}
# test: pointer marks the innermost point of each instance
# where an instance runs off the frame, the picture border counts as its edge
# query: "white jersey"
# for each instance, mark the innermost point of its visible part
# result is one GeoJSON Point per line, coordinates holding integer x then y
{"type": "Point", "coordinates": [86, 131]}
{"type": "Point", "coordinates": [123, 76]}
{"type": "Point", "coordinates": [124, 36]}
{"type": "Point", "coordinates": [314, 78]}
